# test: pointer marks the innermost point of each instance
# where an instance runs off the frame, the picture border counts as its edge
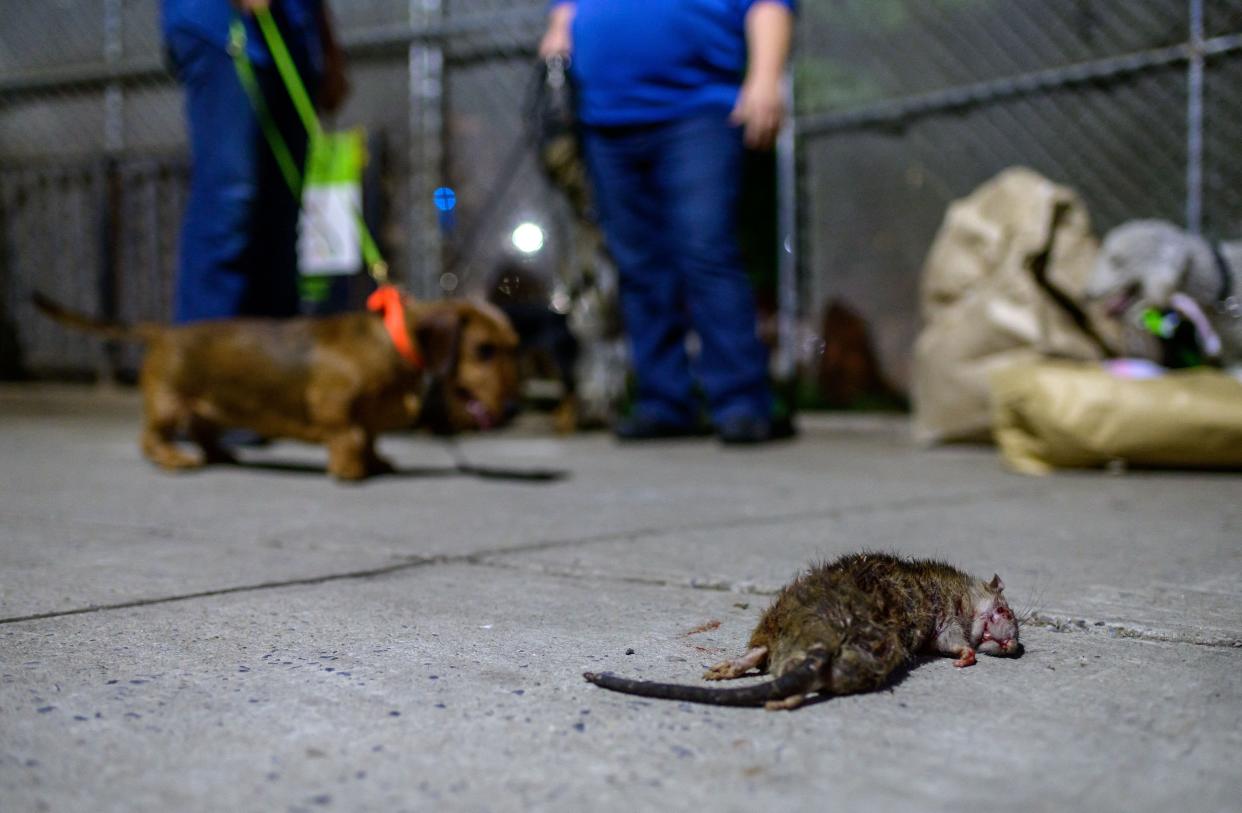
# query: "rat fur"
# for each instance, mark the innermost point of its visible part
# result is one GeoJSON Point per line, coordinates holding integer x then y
{"type": "Point", "coordinates": [845, 626]}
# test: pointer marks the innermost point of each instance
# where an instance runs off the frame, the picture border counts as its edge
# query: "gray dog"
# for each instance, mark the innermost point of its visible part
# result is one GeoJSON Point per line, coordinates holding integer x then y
{"type": "Point", "coordinates": [1154, 264]}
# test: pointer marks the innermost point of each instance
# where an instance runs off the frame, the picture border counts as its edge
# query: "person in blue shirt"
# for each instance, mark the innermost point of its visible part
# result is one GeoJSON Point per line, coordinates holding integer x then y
{"type": "Point", "coordinates": [238, 252]}
{"type": "Point", "coordinates": [669, 92]}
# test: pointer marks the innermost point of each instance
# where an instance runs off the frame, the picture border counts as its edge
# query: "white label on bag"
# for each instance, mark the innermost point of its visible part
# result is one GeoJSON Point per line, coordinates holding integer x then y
{"type": "Point", "coordinates": [328, 239]}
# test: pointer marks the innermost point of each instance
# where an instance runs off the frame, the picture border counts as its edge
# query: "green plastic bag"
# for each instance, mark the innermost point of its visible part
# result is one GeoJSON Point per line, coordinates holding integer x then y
{"type": "Point", "coordinates": [329, 243]}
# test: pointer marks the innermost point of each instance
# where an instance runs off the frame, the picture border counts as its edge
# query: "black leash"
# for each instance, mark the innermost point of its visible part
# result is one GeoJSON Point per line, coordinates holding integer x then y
{"type": "Point", "coordinates": [1225, 303]}
{"type": "Point", "coordinates": [531, 137]}
{"type": "Point", "coordinates": [464, 466]}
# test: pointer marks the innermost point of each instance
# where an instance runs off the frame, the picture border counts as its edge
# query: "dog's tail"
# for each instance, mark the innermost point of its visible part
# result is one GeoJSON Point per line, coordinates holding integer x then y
{"type": "Point", "coordinates": [116, 331]}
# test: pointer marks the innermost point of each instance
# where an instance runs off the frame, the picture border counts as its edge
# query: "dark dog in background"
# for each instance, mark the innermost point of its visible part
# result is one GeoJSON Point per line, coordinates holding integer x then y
{"type": "Point", "coordinates": [849, 372]}
{"type": "Point", "coordinates": [335, 380]}
{"type": "Point", "coordinates": [589, 325]}
{"type": "Point", "coordinates": [547, 347]}
{"type": "Point", "coordinates": [1156, 264]}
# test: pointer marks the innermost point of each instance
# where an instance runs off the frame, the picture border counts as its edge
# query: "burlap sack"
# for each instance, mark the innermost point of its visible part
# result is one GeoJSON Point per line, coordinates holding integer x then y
{"type": "Point", "coordinates": [1075, 415]}
{"type": "Point", "coordinates": [983, 303]}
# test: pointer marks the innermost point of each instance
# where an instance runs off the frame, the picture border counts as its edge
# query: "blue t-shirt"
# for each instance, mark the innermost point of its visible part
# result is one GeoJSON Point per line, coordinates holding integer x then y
{"type": "Point", "coordinates": [210, 19]}
{"type": "Point", "coordinates": [657, 60]}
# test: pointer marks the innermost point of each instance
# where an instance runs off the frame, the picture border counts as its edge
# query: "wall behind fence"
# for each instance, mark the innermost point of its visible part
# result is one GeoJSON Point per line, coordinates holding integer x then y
{"type": "Point", "coordinates": [94, 171]}
{"type": "Point", "coordinates": [905, 105]}
{"type": "Point", "coordinates": [902, 106]}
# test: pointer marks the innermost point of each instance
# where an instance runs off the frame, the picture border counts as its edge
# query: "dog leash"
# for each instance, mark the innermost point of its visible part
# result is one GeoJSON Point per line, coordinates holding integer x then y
{"type": "Point", "coordinates": [386, 300]}
{"type": "Point", "coordinates": [1227, 302]}
{"type": "Point", "coordinates": [550, 73]}
{"type": "Point", "coordinates": [376, 266]}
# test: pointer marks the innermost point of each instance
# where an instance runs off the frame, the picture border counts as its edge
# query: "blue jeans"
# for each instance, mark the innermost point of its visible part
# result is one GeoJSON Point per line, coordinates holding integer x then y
{"type": "Point", "coordinates": [668, 198]}
{"type": "Point", "coordinates": [238, 254]}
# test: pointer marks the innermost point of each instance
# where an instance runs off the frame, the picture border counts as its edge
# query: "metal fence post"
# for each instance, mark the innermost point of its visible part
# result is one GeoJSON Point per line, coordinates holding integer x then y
{"type": "Point", "coordinates": [426, 153]}
{"type": "Point", "coordinates": [108, 202]}
{"type": "Point", "coordinates": [109, 198]}
{"type": "Point", "coordinates": [787, 242]}
{"type": "Point", "coordinates": [1194, 121]}
{"type": "Point", "coordinates": [114, 95]}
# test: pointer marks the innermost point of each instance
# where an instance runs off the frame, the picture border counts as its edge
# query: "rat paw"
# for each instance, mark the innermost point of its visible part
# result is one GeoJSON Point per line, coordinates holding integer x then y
{"type": "Point", "coordinates": [737, 667]}
{"type": "Point", "coordinates": [788, 704]}
{"type": "Point", "coordinates": [727, 670]}
{"type": "Point", "coordinates": [967, 658]}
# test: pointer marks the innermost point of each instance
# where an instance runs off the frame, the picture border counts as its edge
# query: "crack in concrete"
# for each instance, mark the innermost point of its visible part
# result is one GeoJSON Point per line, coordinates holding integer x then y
{"type": "Point", "coordinates": [909, 503]}
{"type": "Point", "coordinates": [741, 587]}
{"type": "Point", "coordinates": [790, 518]}
{"type": "Point", "coordinates": [495, 559]}
{"type": "Point", "coordinates": [748, 588]}
{"type": "Point", "coordinates": [1113, 629]}
{"type": "Point", "coordinates": [225, 591]}
{"type": "Point", "coordinates": [483, 557]}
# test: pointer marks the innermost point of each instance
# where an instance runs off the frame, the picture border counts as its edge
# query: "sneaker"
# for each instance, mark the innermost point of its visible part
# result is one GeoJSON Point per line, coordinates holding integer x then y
{"type": "Point", "coordinates": [746, 430]}
{"type": "Point", "coordinates": [640, 427]}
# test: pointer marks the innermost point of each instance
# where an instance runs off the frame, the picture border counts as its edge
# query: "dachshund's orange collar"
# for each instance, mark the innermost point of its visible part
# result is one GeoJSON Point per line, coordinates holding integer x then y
{"type": "Point", "coordinates": [388, 302]}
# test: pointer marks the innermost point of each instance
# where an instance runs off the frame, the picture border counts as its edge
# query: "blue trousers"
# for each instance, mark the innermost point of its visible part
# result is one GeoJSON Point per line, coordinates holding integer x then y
{"type": "Point", "coordinates": [668, 197]}
{"type": "Point", "coordinates": [238, 254]}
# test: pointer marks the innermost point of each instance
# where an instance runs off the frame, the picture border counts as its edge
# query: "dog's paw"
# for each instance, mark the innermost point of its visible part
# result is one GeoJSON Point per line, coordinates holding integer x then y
{"type": "Point", "coordinates": [171, 458]}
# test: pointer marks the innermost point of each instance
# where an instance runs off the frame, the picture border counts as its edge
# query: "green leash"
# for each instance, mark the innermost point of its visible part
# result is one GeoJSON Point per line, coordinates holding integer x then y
{"type": "Point", "coordinates": [288, 71]}
{"type": "Point", "coordinates": [289, 169]}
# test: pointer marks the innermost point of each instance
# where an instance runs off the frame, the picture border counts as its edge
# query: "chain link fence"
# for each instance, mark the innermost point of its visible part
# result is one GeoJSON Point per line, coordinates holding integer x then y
{"type": "Point", "coordinates": [94, 170]}
{"type": "Point", "coordinates": [905, 105]}
{"type": "Point", "coordinates": [902, 106]}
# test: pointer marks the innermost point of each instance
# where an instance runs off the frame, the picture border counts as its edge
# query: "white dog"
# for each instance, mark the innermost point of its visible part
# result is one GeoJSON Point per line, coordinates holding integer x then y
{"type": "Point", "coordinates": [1154, 264]}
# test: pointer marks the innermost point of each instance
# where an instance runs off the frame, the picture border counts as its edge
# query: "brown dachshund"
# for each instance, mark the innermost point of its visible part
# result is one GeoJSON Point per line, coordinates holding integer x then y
{"type": "Point", "coordinates": [336, 380]}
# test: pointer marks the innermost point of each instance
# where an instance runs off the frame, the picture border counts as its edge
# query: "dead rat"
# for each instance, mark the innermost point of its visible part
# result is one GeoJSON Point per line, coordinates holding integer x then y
{"type": "Point", "coordinates": [844, 626]}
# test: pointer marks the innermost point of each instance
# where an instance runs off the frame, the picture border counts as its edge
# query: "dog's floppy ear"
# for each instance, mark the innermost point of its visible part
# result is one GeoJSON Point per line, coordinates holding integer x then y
{"type": "Point", "coordinates": [438, 331]}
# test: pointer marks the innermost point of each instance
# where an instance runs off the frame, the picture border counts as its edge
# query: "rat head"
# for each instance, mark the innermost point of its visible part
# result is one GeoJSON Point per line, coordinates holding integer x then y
{"type": "Point", "coordinates": [994, 628]}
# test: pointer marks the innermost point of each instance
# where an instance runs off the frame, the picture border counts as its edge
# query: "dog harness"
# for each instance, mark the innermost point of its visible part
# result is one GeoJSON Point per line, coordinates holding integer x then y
{"type": "Point", "coordinates": [388, 302]}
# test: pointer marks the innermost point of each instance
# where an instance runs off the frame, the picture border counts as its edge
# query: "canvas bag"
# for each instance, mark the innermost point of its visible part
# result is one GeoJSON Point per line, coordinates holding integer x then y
{"type": "Point", "coordinates": [990, 290]}
{"type": "Point", "coordinates": [1073, 415]}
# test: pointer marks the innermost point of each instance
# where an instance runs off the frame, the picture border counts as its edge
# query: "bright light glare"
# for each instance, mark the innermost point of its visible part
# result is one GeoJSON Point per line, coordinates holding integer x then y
{"type": "Point", "coordinates": [528, 238]}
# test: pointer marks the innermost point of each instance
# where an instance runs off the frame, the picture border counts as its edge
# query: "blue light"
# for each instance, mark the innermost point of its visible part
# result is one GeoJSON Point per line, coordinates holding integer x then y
{"type": "Point", "coordinates": [445, 199]}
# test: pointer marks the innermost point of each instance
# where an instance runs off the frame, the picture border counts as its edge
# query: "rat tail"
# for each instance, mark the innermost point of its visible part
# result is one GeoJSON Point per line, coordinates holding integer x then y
{"type": "Point", "coordinates": [802, 679]}
{"type": "Point", "coordinates": [100, 327]}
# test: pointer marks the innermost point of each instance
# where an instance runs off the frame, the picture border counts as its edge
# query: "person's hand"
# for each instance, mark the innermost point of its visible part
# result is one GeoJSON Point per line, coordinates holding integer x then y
{"type": "Point", "coordinates": [555, 42]}
{"type": "Point", "coordinates": [760, 109]}
{"type": "Point", "coordinates": [557, 39]}
{"type": "Point", "coordinates": [761, 104]}
{"type": "Point", "coordinates": [251, 6]}
{"type": "Point", "coordinates": [334, 86]}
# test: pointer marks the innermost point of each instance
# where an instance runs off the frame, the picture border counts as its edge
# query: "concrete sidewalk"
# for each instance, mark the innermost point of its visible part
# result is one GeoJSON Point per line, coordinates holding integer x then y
{"type": "Point", "coordinates": [262, 638]}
